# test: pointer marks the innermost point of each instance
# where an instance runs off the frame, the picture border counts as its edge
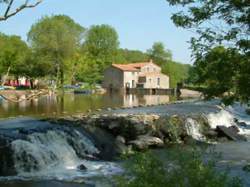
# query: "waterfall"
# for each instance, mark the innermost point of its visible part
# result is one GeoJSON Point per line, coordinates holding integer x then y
{"type": "Point", "coordinates": [45, 150]}
{"type": "Point", "coordinates": [57, 153]}
{"type": "Point", "coordinates": [193, 129]}
{"type": "Point", "coordinates": [234, 115]}
{"type": "Point", "coordinates": [221, 118]}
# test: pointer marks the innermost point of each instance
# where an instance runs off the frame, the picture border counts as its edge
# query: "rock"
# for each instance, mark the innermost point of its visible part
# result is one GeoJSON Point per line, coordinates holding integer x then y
{"type": "Point", "coordinates": [242, 124]}
{"type": "Point", "coordinates": [173, 128]}
{"type": "Point", "coordinates": [248, 111]}
{"type": "Point", "coordinates": [82, 167]}
{"type": "Point", "coordinates": [234, 129]}
{"type": "Point", "coordinates": [143, 142]}
{"type": "Point", "coordinates": [246, 168]}
{"type": "Point", "coordinates": [211, 134]}
{"type": "Point", "coordinates": [120, 148]}
{"type": "Point", "coordinates": [230, 133]}
{"type": "Point", "coordinates": [120, 139]}
{"type": "Point", "coordinates": [223, 139]}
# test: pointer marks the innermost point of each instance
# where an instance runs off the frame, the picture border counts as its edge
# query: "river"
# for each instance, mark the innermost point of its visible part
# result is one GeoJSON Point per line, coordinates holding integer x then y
{"type": "Point", "coordinates": [53, 145]}
{"type": "Point", "coordinates": [68, 103]}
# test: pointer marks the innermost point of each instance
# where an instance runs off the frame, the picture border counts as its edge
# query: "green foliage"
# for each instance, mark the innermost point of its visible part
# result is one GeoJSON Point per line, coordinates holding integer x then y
{"type": "Point", "coordinates": [100, 47]}
{"type": "Point", "coordinates": [55, 39]}
{"type": "Point", "coordinates": [159, 54]}
{"type": "Point", "coordinates": [176, 71]}
{"type": "Point", "coordinates": [223, 72]}
{"type": "Point", "coordinates": [89, 71]}
{"type": "Point", "coordinates": [179, 167]}
{"type": "Point", "coordinates": [219, 23]}
{"type": "Point", "coordinates": [230, 22]}
{"type": "Point", "coordinates": [13, 54]}
{"type": "Point", "coordinates": [130, 56]}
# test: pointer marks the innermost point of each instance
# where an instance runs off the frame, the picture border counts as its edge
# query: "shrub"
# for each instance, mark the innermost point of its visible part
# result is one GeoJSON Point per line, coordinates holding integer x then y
{"type": "Point", "coordinates": [183, 167]}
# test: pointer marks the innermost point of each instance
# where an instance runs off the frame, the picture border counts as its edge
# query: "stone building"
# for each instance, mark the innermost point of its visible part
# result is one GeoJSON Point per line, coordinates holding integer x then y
{"type": "Point", "coordinates": [146, 75]}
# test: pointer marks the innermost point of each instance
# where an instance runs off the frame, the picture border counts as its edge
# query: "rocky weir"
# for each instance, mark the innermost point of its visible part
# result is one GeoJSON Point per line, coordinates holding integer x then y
{"type": "Point", "coordinates": [124, 133]}
{"type": "Point", "coordinates": [88, 142]}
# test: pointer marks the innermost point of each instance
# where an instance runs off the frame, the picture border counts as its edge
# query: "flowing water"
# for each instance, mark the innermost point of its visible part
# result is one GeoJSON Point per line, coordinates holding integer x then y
{"type": "Point", "coordinates": [52, 156]}
{"type": "Point", "coordinates": [53, 153]}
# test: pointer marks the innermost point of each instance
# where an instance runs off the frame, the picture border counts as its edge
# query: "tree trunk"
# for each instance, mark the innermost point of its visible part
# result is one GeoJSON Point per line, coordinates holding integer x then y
{"type": "Point", "coordinates": [31, 84]}
{"type": "Point", "coordinates": [6, 76]}
{"type": "Point", "coordinates": [62, 78]}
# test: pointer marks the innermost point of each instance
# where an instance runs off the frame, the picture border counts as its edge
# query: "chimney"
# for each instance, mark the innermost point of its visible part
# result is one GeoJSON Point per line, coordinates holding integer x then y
{"type": "Point", "coordinates": [150, 61]}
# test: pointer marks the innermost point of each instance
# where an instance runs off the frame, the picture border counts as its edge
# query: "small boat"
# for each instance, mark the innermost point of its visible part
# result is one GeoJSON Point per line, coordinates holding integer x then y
{"type": "Point", "coordinates": [81, 91]}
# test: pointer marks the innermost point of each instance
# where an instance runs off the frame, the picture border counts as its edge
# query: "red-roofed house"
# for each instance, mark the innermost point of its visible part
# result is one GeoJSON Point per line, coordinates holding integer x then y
{"type": "Point", "coordinates": [145, 75]}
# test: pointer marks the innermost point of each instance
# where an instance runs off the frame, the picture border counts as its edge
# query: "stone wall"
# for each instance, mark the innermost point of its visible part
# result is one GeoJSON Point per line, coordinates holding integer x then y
{"type": "Point", "coordinates": [113, 78]}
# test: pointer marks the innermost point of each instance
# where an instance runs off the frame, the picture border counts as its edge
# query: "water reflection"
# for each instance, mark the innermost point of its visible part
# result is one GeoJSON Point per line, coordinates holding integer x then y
{"type": "Point", "coordinates": [135, 100]}
{"type": "Point", "coordinates": [51, 105]}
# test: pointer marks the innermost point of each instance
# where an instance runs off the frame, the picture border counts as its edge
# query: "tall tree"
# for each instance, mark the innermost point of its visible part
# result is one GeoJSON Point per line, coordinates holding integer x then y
{"type": "Point", "coordinates": [219, 22]}
{"type": "Point", "coordinates": [56, 39]}
{"type": "Point", "coordinates": [102, 44]}
{"type": "Point", "coordinates": [13, 55]}
{"type": "Point", "coordinates": [159, 54]}
{"type": "Point", "coordinates": [10, 10]}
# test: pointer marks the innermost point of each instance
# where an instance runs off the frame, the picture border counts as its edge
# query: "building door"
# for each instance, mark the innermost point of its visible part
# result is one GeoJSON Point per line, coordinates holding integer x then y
{"type": "Point", "coordinates": [158, 81]}
{"type": "Point", "coordinates": [133, 83]}
{"type": "Point", "coordinates": [127, 85]}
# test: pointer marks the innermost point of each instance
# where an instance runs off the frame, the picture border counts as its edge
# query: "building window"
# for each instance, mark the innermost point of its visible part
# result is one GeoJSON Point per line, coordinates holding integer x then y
{"type": "Point", "coordinates": [150, 80]}
{"type": "Point", "coordinates": [148, 69]}
{"type": "Point", "coordinates": [158, 81]}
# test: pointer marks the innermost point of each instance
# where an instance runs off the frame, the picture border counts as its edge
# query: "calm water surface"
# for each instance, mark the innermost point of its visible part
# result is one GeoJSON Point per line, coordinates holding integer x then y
{"type": "Point", "coordinates": [69, 103]}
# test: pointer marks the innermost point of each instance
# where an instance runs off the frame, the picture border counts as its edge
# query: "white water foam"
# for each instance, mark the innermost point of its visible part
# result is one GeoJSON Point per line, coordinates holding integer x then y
{"type": "Point", "coordinates": [221, 118]}
{"type": "Point", "coordinates": [227, 116]}
{"type": "Point", "coordinates": [52, 155]}
{"type": "Point", "coordinates": [193, 129]}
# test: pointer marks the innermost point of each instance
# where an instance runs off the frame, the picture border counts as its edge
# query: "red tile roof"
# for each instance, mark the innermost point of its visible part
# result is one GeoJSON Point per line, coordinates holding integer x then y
{"type": "Point", "coordinates": [125, 67]}
{"type": "Point", "coordinates": [131, 67]}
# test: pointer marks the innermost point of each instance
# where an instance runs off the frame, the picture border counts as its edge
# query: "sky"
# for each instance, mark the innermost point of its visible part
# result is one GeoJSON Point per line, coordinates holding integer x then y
{"type": "Point", "coordinates": [139, 23]}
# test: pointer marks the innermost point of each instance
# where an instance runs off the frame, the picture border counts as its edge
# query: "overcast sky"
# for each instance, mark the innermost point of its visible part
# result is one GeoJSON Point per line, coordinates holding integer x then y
{"type": "Point", "coordinates": [139, 23]}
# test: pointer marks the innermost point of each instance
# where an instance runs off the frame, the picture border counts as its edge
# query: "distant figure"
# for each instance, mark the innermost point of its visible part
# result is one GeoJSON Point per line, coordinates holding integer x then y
{"type": "Point", "coordinates": [178, 89]}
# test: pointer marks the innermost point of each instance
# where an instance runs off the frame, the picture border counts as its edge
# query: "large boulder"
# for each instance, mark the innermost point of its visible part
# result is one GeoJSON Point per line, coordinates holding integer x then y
{"type": "Point", "coordinates": [231, 133]}
{"type": "Point", "coordinates": [144, 142]}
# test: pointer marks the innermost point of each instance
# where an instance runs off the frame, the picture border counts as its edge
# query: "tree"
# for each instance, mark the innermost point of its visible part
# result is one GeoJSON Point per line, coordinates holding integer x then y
{"type": "Point", "coordinates": [177, 72]}
{"type": "Point", "coordinates": [218, 72]}
{"type": "Point", "coordinates": [101, 45]}
{"type": "Point", "coordinates": [13, 55]}
{"type": "Point", "coordinates": [219, 23]}
{"type": "Point", "coordinates": [56, 39]}
{"type": "Point", "coordinates": [130, 56]}
{"type": "Point", "coordinates": [10, 10]}
{"type": "Point", "coordinates": [215, 22]}
{"type": "Point", "coordinates": [159, 54]}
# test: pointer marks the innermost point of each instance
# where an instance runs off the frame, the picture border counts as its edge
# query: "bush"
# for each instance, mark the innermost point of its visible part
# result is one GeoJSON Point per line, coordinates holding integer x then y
{"type": "Point", "coordinates": [183, 168]}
